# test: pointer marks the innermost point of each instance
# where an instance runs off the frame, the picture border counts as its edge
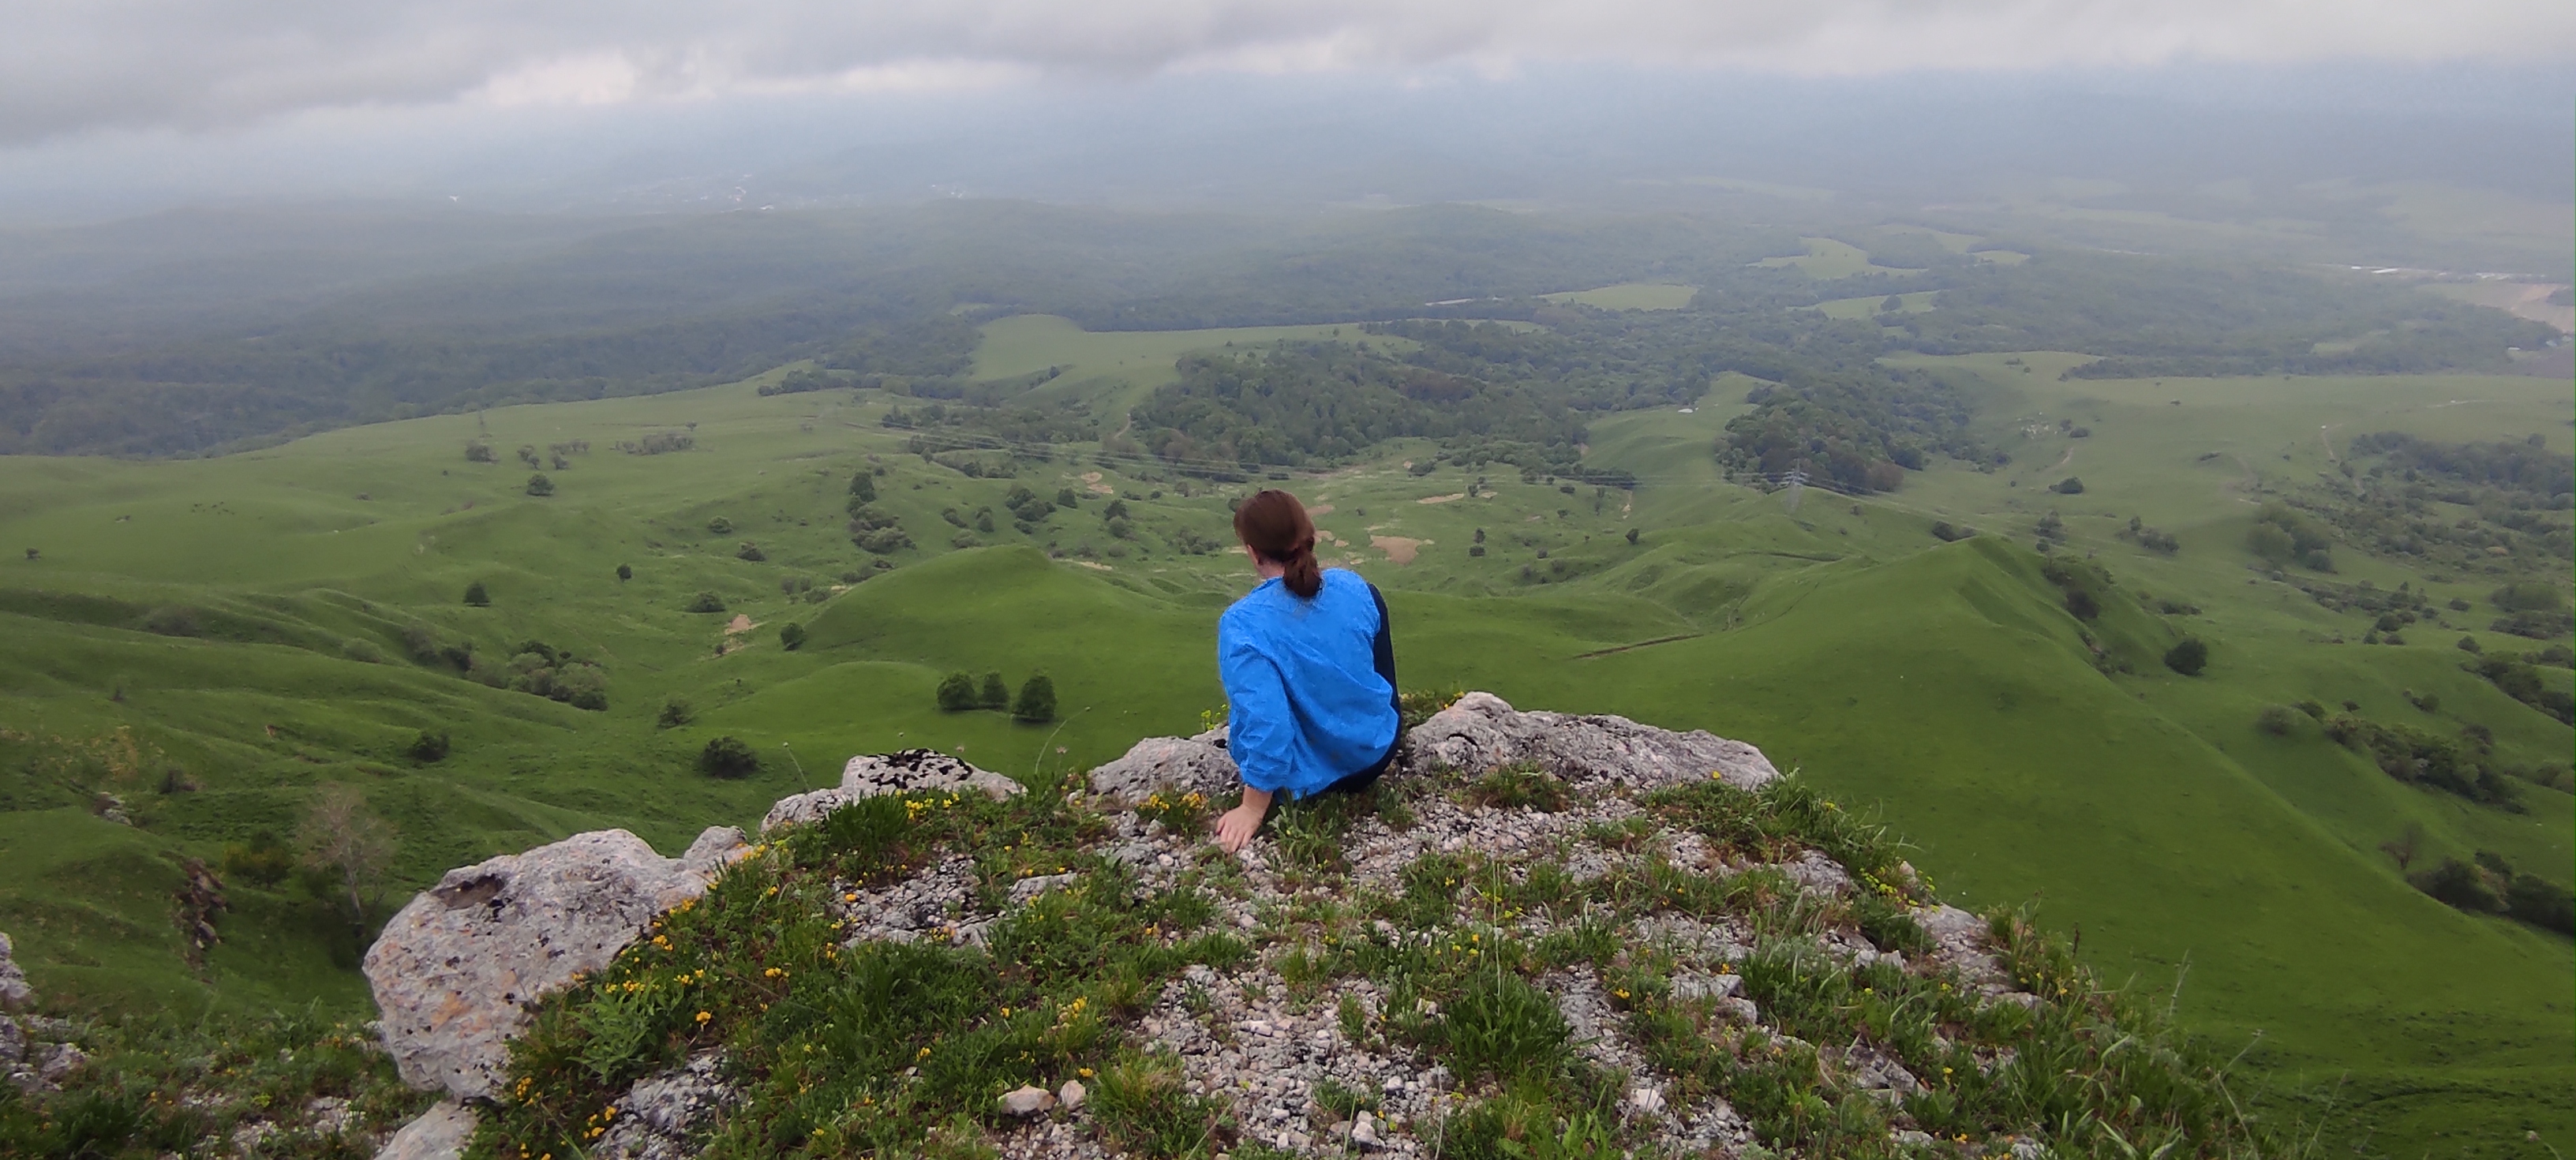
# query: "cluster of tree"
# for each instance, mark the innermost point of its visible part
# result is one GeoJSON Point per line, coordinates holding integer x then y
{"type": "Point", "coordinates": [660, 442]}
{"type": "Point", "coordinates": [873, 529]}
{"type": "Point", "coordinates": [1854, 432]}
{"type": "Point", "coordinates": [2152, 539]}
{"type": "Point", "coordinates": [799, 383]}
{"type": "Point", "coordinates": [2525, 472]}
{"type": "Point", "coordinates": [2496, 508]}
{"type": "Point", "coordinates": [2282, 535]}
{"type": "Point", "coordinates": [2488, 884]}
{"type": "Point", "coordinates": [1297, 404]}
{"type": "Point", "coordinates": [960, 693]}
{"type": "Point", "coordinates": [2153, 316]}
{"type": "Point", "coordinates": [2465, 767]}
{"type": "Point", "coordinates": [532, 667]}
{"type": "Point", "coordinates": [965, 425]}
{"type": "Point", "coordinates": [2518, 680]}
{"type": "Point", "coordinates": [341, 852]}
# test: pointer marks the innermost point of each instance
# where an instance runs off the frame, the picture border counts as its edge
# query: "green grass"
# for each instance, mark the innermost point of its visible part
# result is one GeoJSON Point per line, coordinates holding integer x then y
{"type": "Point", "coordinates": [1827, 259]}
{"type": "Point", "coordinates": [1944, 686]}
{"type": "Point", "coordinates": [1631, 296]}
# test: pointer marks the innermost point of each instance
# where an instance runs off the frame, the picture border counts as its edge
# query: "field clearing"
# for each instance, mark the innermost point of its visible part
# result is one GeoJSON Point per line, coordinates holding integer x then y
{"type": "Point", "coordinates": [1118, 368]}
{"type": "Point", "coordinates": [1867, 305]}
{"type": "Point", "coordinates": [1827, 259]}
{"type": "Point", "coordinates": [1631, 296]}
{"type": "Point", "coordinates": [1953, 242]}
{"type": "Point", "coordinates": [2520, 299]}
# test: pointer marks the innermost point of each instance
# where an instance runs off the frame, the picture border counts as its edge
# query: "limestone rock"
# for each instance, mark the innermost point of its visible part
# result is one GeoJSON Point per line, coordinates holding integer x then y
{"type": "Point", "coordinates": [13, 1042]}
{"type": "Point", "coordinates": [1817, 874]}
{"type": "Point", "coordinates": [15, 994]}
{"type": "Point", "coordinates": [716, 848]}
{"type": "Point", "coordinates": [1072, 1094]}
{"type": "Point", "coordinates": [872, 774]}
{"type": "Point", "coordinates": [1175, 764]}
{"type": "Point", "coordinates": [1364, 1131]}
{"type": "Point", "coordinates": [1026, 890]}
{"type": "Point", "coordinates": [437, 1134]}
{"type": "Point", "coordinates": [655, 1119]}
{"type": "Point", "coordinates": [1027, 1102]}
{"type": "Point", "coordinates": [454, 969]}
{"type": "Point", "coordinates": [58, 1061]}
{"type": "Point", "coordinates": [1483, 732]}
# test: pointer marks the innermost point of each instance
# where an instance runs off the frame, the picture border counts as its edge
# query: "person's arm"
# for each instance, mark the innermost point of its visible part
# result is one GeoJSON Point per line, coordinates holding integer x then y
{"type": "Point", "coordinates": [1258, 733]}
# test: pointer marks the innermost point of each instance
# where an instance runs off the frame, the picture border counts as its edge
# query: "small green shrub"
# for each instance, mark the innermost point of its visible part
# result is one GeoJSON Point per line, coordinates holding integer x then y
{"type": "Point", "coordinates": [477, 595]}
{"type": "Point", "coordinates": [362, 650]}
{"type": "Point", "coordinates": [1143, 1110]}
{"type": "Point", "coordinates": [791, 636]}
{"type": "Point", "coordinates": [625, 571]}
{"type": "Point", "coordinates": [675, 713]}
{"type": "Point", "coordinates": [1501, 1026]}
{"type": "Point", "coordinates": [539, 485]}
{"type": "Point", "coordinates": [2277, 720]}
{"type": "Point", "coordinates": [729, 758]}
{"type": "Point", "coordinates": [751, 552]}
{"type": "Point", "coordinates": [705, 602]}
{"type": "Point", "coordinates": [429, 747]}
{"type": "Point", "coordinates": [2189, 657]}
{"type": "Point", "coordinates": [994, 695]}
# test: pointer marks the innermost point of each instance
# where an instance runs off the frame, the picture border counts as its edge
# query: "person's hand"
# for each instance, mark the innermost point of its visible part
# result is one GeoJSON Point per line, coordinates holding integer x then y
{"type": "Point", "coordinates": [1237, 825]}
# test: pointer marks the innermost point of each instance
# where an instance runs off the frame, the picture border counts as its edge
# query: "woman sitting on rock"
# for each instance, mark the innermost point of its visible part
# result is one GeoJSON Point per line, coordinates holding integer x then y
{"type": "Point", "coordinates": [1309, 670]}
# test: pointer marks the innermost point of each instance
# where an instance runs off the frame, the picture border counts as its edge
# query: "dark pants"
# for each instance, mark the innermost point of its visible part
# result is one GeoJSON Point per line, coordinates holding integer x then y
{"type": "Point", "coordinates": [1384, 648]}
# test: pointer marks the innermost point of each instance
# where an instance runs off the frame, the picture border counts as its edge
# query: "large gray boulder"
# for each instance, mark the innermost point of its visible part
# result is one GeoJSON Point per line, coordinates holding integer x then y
{"type": "Point", "coordinates": [1483, 732]}
{"type": "Point", "coordinates": [454, 970]}
{"type": "Point", "coordinates": [15, 994]}
{"type": "Point", "coordinates": [906, 771]}
{"type": "Point", "coordinates": [1173, 764]}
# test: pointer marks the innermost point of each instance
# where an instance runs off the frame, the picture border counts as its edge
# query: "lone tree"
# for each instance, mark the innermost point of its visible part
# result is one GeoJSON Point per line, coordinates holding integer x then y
{"type": "Point", "coordinates": [2189, 657]}
{"type": "Point", "coordinates": [539, 485]}
{"type": "Point", "coordinates": [340, 837]}
{"type": "Point", "coordinates": [477, 595]}
{"type": "Point", "coordinates": [996, 694]}
{"type": "Point", "coordinates": [2068, 486]}
{"type": "Point", "coordinates": [729, 758]}
{"type": "Point", "coordinates": [957, 693]}
{"type": "Point", "coordinates": [864, 486]}
{"type": "Point", "coordinates": [626, 571]}
{"type": "Point", "coordinates": [791, 636]}
{"type": "Point", "coordinates": [1037, 701]}
{"type": "Point", "coordinates": [675, 713]}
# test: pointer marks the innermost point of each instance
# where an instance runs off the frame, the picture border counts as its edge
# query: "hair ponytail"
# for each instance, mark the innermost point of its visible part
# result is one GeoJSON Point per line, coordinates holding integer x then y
{"type": "Point", "coordinates": [1275, 526]}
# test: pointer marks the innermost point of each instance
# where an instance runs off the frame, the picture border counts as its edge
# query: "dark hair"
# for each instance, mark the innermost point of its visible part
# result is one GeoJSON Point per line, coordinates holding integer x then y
{"type": "Point", "coordinates": [1274, 525]}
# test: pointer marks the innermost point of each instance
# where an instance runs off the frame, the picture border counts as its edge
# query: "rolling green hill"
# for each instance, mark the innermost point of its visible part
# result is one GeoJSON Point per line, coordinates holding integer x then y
{"type": "Point", "coordinates": [251, 622]}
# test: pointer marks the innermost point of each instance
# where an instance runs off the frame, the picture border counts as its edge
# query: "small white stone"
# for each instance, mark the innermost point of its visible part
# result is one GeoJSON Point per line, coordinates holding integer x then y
{"type": "Point", "coordinates": [1072, 1094]}
{"type": "Point", "coordinates": [1646, 1100]}
{"type": "Point", "coordinates": [1026, 1101]}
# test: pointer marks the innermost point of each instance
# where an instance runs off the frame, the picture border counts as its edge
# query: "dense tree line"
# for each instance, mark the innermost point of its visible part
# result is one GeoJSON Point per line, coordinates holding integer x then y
{"type": "Point", "coordinates": [1309, 403]}
{"type": "Point", "coordinates": [2151, 316]}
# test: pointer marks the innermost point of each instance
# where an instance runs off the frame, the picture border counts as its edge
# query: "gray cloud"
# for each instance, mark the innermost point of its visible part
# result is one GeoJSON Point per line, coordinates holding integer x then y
{"type": "Point", "coordinates": [67, 66]}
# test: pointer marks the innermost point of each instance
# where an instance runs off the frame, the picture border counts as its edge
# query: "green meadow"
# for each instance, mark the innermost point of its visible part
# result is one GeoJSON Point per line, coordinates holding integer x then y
{"type": "Point", "coordinates": [1827, 259]}
{"type": "Point", "coordinates": [246, 621]}
{"type": "Point", "coordinates": [1630, 296]}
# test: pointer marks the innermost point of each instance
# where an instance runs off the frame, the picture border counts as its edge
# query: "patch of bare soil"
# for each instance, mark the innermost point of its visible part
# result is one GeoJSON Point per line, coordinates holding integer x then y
{"type": "Point", "coordinates": [1399, 549]}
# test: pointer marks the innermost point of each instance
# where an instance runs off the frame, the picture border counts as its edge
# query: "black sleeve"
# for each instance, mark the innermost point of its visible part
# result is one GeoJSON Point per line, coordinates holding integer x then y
{"type": "Point", "coordinates": [1385, 644]}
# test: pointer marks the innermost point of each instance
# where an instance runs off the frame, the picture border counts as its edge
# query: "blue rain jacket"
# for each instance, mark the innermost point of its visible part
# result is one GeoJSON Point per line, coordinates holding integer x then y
{"type": "Point", "coordinates": [1309, 684]}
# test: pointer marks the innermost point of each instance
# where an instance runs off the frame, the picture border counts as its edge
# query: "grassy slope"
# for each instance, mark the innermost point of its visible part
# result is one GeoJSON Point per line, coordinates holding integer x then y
{"type": "Point", "coordinates": [1942, 685]}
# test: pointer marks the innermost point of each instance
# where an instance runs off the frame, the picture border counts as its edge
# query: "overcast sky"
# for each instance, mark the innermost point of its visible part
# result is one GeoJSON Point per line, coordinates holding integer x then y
{"type": "Point", "coordinates": [72, 67]}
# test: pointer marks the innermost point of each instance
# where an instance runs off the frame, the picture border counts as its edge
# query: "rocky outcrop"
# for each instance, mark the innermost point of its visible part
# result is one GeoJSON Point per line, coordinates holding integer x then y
{"type": "Point", "coordinates": [908, 771]}
{"type": "Point", "coordinates": [654, 1119]}
{"type": "Point", "coordinates": [15, 994]}
{"type": "Point", "coordinates": [1482, 732]}
{"type": "Point", "coordinates": [1175, 765]}
{"type": "Point", "coordinates": [453, 971]}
